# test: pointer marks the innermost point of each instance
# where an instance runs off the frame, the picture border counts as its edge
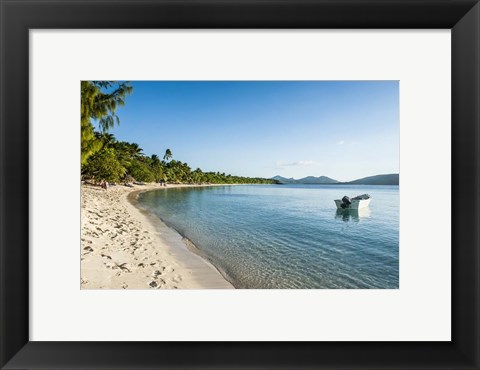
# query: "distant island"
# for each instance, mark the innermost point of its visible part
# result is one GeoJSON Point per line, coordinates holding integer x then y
{"type": "Point", "coordinates": [386, 179]}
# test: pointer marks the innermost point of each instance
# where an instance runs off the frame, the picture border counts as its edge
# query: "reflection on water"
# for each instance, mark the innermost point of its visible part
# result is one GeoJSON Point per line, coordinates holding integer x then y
{"type": "Point", "coordinates": [352, 214]}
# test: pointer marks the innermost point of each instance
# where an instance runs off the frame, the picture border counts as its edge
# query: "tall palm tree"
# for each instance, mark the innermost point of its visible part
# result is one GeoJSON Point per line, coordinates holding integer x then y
{"type": "Point", "coordinates": [168, 155]}
{"type": "Point", "coordinates": [157, 168]}
{"type": "Point", "coordinates": [99, 101]}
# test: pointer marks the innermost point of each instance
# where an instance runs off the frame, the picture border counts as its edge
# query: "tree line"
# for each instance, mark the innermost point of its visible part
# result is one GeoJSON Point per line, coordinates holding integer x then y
{"type": "Point", "coordinates": [105, 158]}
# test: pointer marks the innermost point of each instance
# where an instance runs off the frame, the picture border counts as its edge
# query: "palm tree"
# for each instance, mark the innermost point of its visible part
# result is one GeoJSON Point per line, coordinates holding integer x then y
{"type": "Point", "coordinates": [157, 168]}
{"type": "Point", "coordinates": [99, 101]}
{"type": "Point", "coordinates": [110, 95]}
{"type": "Point", "coordinates": [135, 150]}
{"type": "Point", "coordinates": [168, 155]}
{"type": "Point", "coordinates": [107, 139]}
{"type": "Point", "coordinates": [124, 153]}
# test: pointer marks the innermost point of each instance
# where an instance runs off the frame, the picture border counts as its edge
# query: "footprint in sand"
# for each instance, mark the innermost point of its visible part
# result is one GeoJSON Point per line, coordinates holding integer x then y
{"type": "Point", "coordinates": [88, 249]}
{"type": "Point", "coordinates": [157, 283]}
{"type": "Point", "coordinates": [121, 266]}
{"type": "Point", "coordinates": [156, 274]}
{"type": "Point", "coordinates": [109, 265]}
{"type": "Point", "coordinates": [177, 279]}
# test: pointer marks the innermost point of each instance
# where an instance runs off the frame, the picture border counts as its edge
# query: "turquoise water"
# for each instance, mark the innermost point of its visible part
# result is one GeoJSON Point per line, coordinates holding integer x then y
{"type": "Point", "coordinates": [288, 236]}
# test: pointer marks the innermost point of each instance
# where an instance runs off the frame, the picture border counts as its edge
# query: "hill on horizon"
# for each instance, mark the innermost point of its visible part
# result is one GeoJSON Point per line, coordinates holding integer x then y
{"type": "Point", "coordinates": [387, 179]}
{"type": "Point", "coordinates": [384, 179]}
{"type": "Point", "coordinates": [306, 180]}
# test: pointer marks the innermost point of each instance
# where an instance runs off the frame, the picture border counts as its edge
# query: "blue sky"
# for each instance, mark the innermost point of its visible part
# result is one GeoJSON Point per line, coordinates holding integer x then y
{"type": "Point", "coordinates": [341, 129]}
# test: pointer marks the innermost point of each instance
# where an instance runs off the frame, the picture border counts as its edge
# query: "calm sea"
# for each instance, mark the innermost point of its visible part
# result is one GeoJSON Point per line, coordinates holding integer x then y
{"type": "Point", "coordinates": [288, 236]}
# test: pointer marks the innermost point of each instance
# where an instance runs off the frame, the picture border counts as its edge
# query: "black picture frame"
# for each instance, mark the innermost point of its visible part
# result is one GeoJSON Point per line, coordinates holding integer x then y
{"type": "Point", "coordinates": [19, 16]}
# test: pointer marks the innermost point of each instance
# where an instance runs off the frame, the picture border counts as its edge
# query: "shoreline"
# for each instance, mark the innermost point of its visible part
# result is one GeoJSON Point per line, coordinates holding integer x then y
{"type": "Point", "coordinates": [125, 247]}
{"type": "Point", "coordinates": [157, 221]}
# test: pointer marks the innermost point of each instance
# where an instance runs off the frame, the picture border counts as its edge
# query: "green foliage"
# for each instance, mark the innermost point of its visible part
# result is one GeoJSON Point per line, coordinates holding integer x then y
{"type": "Point", "coordinates": [157, 168]}
{"type": "Point", "coordinates": [168, 155]}
{"type": "Point", "coordinates": [140, 171]}
{"type": "Point", "coordinates": [104, 165]}
{"type": "Point", "coordinates": [99, 101]}
{"type": "Point", "coordinates": [123, 161]}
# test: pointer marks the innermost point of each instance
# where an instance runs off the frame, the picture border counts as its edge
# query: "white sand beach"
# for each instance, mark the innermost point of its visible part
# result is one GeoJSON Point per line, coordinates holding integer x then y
{"type": "Point", "coordinates": [124, 248]}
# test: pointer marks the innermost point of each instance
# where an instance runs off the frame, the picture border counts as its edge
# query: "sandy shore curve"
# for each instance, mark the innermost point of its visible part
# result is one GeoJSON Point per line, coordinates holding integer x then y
{"type": "Point", "coordinates": [123, 247]}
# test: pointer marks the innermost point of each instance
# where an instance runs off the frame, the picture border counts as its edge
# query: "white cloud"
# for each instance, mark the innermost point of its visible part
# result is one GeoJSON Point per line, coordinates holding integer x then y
{"type": "Point", "coordinates": [281, 164]}
{"type": "Point", "coordinates": [341, 142]}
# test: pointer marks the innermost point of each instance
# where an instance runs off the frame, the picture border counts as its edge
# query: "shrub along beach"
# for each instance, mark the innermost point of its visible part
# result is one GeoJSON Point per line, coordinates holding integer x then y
{"type": "Point", "coordinates": [120, 246]}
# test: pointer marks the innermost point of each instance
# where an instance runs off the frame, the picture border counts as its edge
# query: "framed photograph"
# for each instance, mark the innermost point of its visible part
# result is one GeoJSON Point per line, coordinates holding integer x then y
{"type": "Point", "coordinates": [253, 184]}
{"type": "Point", "coordinates": [227, 182]}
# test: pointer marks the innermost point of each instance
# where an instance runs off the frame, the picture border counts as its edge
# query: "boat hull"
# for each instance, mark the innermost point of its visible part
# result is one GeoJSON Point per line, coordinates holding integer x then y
{"type": "Point", "coordinates": [356, 203]}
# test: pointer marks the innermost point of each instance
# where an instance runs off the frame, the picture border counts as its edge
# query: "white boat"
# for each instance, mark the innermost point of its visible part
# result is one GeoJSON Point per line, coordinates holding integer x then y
{"type": "Point", "coordinates": [358, 202]}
